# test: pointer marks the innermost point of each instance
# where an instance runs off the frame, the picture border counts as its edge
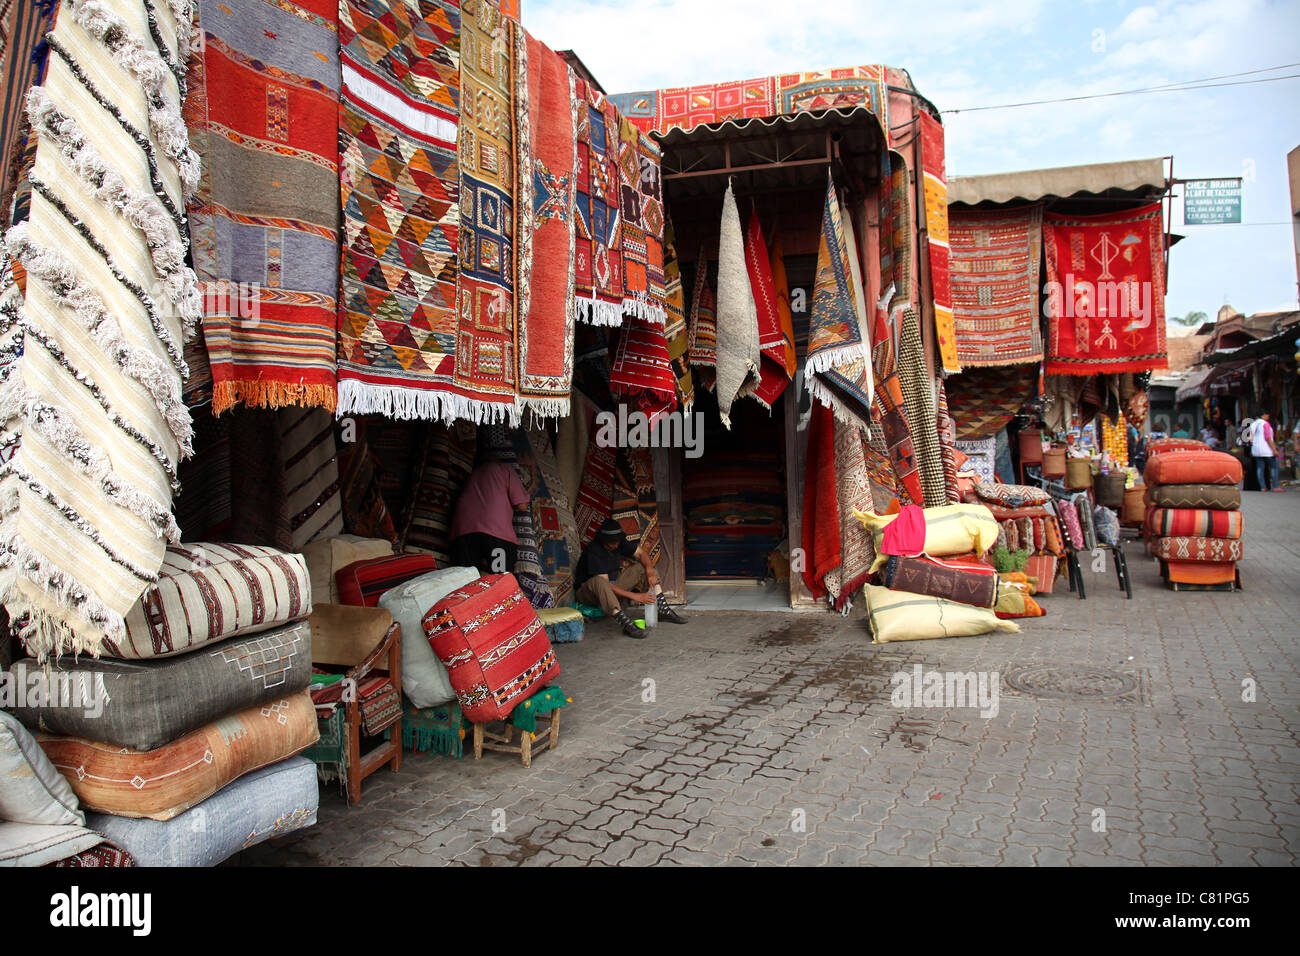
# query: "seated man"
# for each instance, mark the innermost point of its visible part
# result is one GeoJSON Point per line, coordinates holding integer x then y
{"type": "Point", "coordinates": [613, 570]}
{"type": "Point", "coordinates": [482, 528]}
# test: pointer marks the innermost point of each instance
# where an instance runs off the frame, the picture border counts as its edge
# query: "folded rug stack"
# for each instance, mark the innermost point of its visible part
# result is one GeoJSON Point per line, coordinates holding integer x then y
{"type": "Point", "coordinates": [1193, 522]}
{"type": "Point", "coordinates": [1026, 522]}
{"type": "Point", "coordinates": [735, 514]}
{"type": "Point", "coordinates": [935, 581]}
{"type": "Point", "coordinates": [180, 738]}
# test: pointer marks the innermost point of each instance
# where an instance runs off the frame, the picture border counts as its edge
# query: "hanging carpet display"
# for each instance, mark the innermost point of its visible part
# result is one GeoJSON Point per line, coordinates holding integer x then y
{"type": "Point", "coordinates": [774, 376]}
{"type": "Point", "coordinates": [738, 351]}
{"type": "Point", "coordinates": [642, 211]}
{"type": "Point", "coordinates": [703, 324]}
{"type": "Point", "coordinates": [1106, 291]}
{"type": "Point", "coordinates": [599, 244]}
{"type": "Point", "coordinates": [982, 401]}
{"type": "Point", "coordinates": [995, 262]}
{"type": "Point", "coordinates": [262, 111]}
{"type": "Point", "coordinates": [935, 193]}
{"type": "Point", "coordinates": [643, 367]}
{"type": "Point", "coordinates": [93, 419]}
{"type": "Point", "coordinates": [675, 328]}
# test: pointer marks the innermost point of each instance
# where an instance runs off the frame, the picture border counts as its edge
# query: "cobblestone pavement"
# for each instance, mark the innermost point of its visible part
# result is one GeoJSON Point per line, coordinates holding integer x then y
{"type": "Point", "coordinates": [771, 739]}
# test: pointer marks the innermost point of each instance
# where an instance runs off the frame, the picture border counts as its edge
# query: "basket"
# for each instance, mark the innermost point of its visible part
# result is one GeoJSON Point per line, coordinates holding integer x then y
{"type": "Point", "coordinates": [1110, 489]}
{"type": "Point", "coordinates": [1053, 462]}
{"type": "Point", "coordinates": [1078, 473]}
{"type": "Point", "coordinates": [1135, 506]}
{"type": "Point", "coordinates": [1031, 447]}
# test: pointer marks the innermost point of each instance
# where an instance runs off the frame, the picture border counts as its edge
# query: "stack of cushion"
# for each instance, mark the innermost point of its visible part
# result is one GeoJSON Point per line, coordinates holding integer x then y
{"type": "Point", "coordinates": [208, 685]}
{"type": "Point", "coordinates": [1026, 522]}
{"type": "Point", "coordinates": [735, 515]}
{"type": "Point", "coordinates": [946, 591]}
{"type": "Point", "coordinates": [1193, 522]}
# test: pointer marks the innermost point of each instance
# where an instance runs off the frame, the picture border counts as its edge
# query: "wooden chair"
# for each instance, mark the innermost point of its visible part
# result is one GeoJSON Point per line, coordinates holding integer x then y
{"type": "Point", "coordinates": [359, 639]}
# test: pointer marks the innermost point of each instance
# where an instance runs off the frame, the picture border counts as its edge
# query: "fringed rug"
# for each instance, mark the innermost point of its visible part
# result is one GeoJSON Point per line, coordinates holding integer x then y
{"type": "Point", "coordinates": [982, 401]}
{"type": "Point", "coordinates": [1106, 280]}
{"type": "Point", "coordinates": [643, 367]}
{"type": "Point", "coordinates": [835, 335]}
{"type": "Point", "coordinates": [774, 376]}
{"type": "Point", "coordinates": [738, 349]}
{"type": "Point", "coordinates": [820, 520]}
{"type": "Point", "coordinates": [400, 188]}
{"type": "Point", "coordinates": [93, 417]}
{"type": "Point", "coordinates": [936, 222]}
{"type": "Point", "coordinates": [262, 111]}
{"type": "Point", "coordinates": [703, 324]}
{"type": "Point", "coordinates": [598, 264]}
{"type": "Point", "coordinates": [546, 173]}
{"type": "Point", "coordinates": [643, 224]}
{"type": "Point", "coordinates": [995, 262]}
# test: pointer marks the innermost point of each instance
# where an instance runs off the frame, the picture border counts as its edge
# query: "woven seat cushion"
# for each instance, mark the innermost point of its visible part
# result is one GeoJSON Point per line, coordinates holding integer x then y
{"type": "Point", "coordinates": [1043, 569]}
{"type": "Point", "coordinates": [1106, 525]}
{"type": "Point", "coordinates": [976, 585]}
{"type": "Point", "coordinates": [1199, 467]}
{"type": "Point", "coordinates": [363, 583]}
{"type": "Point", "coordinates": [146, 704]}
{"type": "Point", "coordinates": [40, 819]}
{"type": "Point", "coordinates": [265, 803]}
{"type": "Point", "coordinates": [344, 635]}
{"type": "Point", "coordinates": [1200, 572]}
{"type": "Point", "coordinates": [901, 616]}
{"type": "Point", "coordinates": [209, 592]}
{"type": "Point", "coordinates": [424, 678]}
{"type": "Point", "coordinates": [165, 782]}
{"type": "Point", "coordinates": [40, 844]}
{"type": "Point", "coordinates": [326, 557]}
{"type": "Point", "coordinates": [1214, 497]}
{"type": "Point", "coordinates": [494, 647]}
{"type": "Point", "coordinates": [563, 625]}
{"type": "Point", "coordinates": [1162, 446]}
{"type": "Point", "coordinates": [1191, 548]}
{"type": "Point", "coordinates": [1011, 496]}
{"type": "Point", "coordinates": [951, 529]}
{"type": "Point", "coordinates": [1194, 522]}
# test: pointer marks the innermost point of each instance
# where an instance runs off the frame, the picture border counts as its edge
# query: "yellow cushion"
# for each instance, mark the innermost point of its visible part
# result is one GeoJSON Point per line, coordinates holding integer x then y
{"type": "Point", "coordinates": [950, 529]}
{"type": "Point", "coordinates": [903, 616]}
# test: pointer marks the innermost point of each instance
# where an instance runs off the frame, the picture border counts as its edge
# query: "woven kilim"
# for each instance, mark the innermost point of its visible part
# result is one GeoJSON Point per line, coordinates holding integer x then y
{"type": "Point", "coordinates": [642, 211]}
{"type": "Point", "coordinates": [835, 335]}
{"type": "Point", "coordinates": [528, 566]}
{"type": "Point", "coordinates": [596, 493]}
{"type": "Point", "coordinates": [936, 221]}
{"type": "Point", "coordinates": [553, 522]}
{"type": "Point", "coordinates": [774, 375]}
{"type": "Point", "coordinates": [1190, 548]}
{"type": "Point", "coordinates": [995, 262]}
{"type": "Point", "coordinates": [642, 366]}
{"type": "Point", "coordinates": [853, 489]}
{"type": "Point", "coordinates": [1106, 282]}
{"type": "Point", "coordinates": [675, 326]}
{"type": "Point", "coordinates": [445, 462]}
{"type": "Point", "coordinates": [738, 351]}
{"type": "Point", "coordinates": [898, 439]}
{"type": "Point", "coordinates": [22, 23]}
{"type": "Point", "coordinates": [947, 445]}
{"type": "Point", "coordinates": [982, 401]}
{"type": "Point", "coordinates": [92, 409]}
{"type": "Point", "coordinates": [400, 189]}
{"type": "Point", "coordinates": [101, 856]}
{"type": "Point", "coordinates": [703, 324]}
{"type": "Point", "coordinates": [547, 175]}
{"type": "Point", "coordinates": [820, 517]}
{"type": "Point", "coordinates": [633, 503]}
{"type": "Point", "coordinates": [262, 110]}
{"type": "Point", "coordinates": [599, 256]}
{"type": "Point", "coordinates": [918, 395]}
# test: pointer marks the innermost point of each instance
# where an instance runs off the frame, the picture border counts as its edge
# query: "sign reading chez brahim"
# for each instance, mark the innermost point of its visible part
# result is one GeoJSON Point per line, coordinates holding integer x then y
{"type": "Point", "coordinates": [1210, 202]}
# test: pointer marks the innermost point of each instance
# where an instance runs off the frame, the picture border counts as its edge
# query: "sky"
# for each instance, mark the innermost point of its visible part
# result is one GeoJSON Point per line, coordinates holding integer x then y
{"type": "Point", "coordinates": [966, 54]}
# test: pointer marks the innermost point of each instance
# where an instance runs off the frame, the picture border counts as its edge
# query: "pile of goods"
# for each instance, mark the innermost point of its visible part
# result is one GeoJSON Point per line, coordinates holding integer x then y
{"type": "Point", "coordinates": [1027, 526]}
{"type": "Point", "coordinates": [935, 579]}
{"type": "Point", "coordinates": [735, 515]}
{"type": "Point", "coordinates": [1193, 521]}
{"type": "Point", "coordinates": [182, 739]}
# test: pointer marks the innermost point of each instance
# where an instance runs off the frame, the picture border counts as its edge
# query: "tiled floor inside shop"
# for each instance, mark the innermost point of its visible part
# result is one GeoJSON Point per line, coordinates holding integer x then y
{"type": "Point", "coordinates": [1160, 730]}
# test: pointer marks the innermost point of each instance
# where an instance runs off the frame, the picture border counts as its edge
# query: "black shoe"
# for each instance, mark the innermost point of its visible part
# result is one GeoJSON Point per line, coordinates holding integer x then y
{"type": "Point", "coordinates": [629, 626]}
{"type": "Point", "coordinates": [667, 613]}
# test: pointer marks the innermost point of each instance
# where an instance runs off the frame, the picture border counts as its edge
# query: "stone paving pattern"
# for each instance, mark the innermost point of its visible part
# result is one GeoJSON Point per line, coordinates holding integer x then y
{"type": "Point", "coordinates": [760, 721]}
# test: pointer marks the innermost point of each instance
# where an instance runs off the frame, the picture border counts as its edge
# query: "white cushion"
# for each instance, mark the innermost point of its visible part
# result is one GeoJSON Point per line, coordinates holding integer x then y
{"type": "Point", "coordinates": [424, 678]}
{"type": "Point", "coordinates": [31, 790]}
{"type": "Point", "coordinates": [29, 844]}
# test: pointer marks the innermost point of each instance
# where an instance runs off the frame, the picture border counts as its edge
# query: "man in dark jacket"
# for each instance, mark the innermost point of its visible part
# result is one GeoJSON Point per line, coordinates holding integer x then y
{"type": "Point", "coordinates": [614, 573]}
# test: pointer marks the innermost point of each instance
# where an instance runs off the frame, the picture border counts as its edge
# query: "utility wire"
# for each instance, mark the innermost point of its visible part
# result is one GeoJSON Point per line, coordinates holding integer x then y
{"type": "Point", "coordinates": [1201, 84]}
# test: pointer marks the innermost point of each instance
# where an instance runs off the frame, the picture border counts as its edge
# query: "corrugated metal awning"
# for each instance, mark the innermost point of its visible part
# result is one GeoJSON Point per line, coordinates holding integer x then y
{"type": "Point", "coordinates": [1140, 176]}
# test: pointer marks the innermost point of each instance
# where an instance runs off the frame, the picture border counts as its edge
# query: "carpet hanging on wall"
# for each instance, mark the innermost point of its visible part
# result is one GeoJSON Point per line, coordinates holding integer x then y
{"type": "Point", "coordinates": [642, 212]}
{"type": "Point", "coordinates": [936, 221]}
{"type": "Point", "coordinates": [774, 376]}
{"type": "Point", "coordinates": [995, 262]}
{"type": "Point", "coordinates": [93, 417]}
{"type": "Point", "coordinates": [599, 248]}
{"type": "Point", "coordinates": [703, 324]}
{"type": "Point", "coordinates": [643, 367]}
{"type": "Point", "coordinates": [675, 327]}
{"type": "Point", "coordinates": [1106, 291]}
{"type": "Point", "coordinates": [738, 350]}
{"type": "Point", "coordinates": [821, 521]}
{"type": "Point", "coordinates": [262, 110]}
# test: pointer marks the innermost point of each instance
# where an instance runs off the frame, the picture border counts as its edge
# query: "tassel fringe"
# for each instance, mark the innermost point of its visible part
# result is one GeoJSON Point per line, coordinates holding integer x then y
{"type": "Point", "coordinates": [362, 398]}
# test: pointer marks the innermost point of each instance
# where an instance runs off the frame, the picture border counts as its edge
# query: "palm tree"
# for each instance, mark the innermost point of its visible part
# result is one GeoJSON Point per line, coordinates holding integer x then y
{"type": "Point", "coordinates": [1191, 318]}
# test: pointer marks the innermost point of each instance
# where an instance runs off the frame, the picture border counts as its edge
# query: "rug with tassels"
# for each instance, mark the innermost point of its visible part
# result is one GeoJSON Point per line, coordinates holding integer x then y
{"type": "Point", "coordinates": [92, 409]}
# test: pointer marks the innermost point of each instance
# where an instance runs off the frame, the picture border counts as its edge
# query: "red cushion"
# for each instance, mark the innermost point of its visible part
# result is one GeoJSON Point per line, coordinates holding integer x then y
{"type": "Point", "coordinates": [363, 583]}
{"type": "Point", "coordinates": [1162, 446]}
{"type": "Point", "coordinates": [495, 649]}
{"type": "Point", "coordinates": [1202, 467]}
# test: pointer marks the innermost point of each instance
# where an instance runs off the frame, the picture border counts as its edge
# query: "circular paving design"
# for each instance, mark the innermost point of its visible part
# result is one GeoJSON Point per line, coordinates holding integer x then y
{"type": "Point", "coordinates": [1069, 682]}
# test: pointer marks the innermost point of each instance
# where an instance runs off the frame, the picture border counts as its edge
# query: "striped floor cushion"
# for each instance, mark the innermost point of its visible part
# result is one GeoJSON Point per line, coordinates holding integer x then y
{"type": "Point", "coordinates": [1202, 467]}
{"type": "Point", "coordinates": [363, 583]}
{"type": "Point", "coordinates": [495, 649]}
{"type": "Point", "coordinates": [1187, 548]}
{"type": "Point", "coordinates": [1200, 572]}
{"type": "Point", "coordinates": [144, 705]}
{"type": "Point", "coordinates": [208, 592]}
{"type": "Point", "coordinates": [1216, 497]}
{"type": "Point", "coordinates": [1194, 522]}
{"type": "Point", "coordinates": [168, 781]}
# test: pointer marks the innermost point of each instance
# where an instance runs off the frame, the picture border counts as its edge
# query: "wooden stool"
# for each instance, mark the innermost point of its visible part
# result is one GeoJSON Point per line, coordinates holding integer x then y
{"type": "Point", "coordinates": [485, 739]}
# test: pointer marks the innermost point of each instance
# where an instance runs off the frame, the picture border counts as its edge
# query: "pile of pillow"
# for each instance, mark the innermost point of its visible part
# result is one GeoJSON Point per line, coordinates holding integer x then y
{"type": "Point", "coordinates": [1193, 520]}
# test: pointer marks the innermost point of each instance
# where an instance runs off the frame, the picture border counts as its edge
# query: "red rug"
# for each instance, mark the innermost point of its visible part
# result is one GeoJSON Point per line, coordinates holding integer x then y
{"type": "Point", "coordinates": [821, 519]}
{"type": "Point", "coordinates": [596, 492]}
{"type": "Point", "coordinates": [642, 211]}
{"type": "Point", "coordinates": [598, 259]}
{"type": "Point", "coordinates": [936, 220]}
{"type": "Point", "coordinates": [774, 376]}
{"type": "Point", "coordinates": [1106, 292]}
{"type": "Point", "coordinates": [995, 262]}
{"type": "Point", "coordinates": [642, 366]}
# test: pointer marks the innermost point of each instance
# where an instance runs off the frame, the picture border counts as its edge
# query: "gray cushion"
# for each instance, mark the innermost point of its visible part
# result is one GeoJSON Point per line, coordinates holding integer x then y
{"type": "Point", "coordinates": [424, 678]}
{"type": "Point", "coordinates": [266, 803]}
{"type": "Point", "coordinates": [31, 790]}
{"type": "Point", "coordinates": [147, 704]}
